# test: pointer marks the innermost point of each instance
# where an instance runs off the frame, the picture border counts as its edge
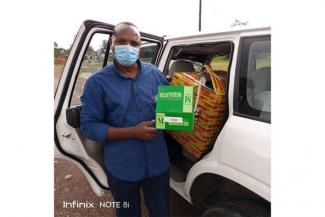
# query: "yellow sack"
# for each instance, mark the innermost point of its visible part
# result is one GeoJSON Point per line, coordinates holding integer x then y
{"type": "Point", "coordinates": [213, 112]}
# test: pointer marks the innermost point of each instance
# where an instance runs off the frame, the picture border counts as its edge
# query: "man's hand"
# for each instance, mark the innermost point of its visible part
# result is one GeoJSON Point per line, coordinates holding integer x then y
{"type": "Point", "coordinates": [144, 131]}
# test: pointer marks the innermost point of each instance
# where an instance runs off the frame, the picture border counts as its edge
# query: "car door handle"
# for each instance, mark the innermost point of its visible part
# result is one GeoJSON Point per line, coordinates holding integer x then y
{"type": "Point", "coordinates": [67, 135]}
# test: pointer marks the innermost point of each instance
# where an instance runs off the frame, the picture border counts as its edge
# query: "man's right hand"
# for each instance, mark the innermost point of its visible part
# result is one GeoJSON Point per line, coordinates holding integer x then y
{"type": "Point", "coordinates": [144, 131]}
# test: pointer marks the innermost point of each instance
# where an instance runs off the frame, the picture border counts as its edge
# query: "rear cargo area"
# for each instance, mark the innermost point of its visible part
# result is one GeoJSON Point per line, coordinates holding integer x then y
{"type": "Point", "coordinates": [185, 66]}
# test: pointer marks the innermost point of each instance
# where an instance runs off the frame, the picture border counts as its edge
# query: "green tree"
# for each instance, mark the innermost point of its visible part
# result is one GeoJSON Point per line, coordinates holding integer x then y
{"type": "Point", "coordinates": [103, 46]}
{"type": "Point", "coordinates": [90, 49]}
{"type": "Point", "coordinates": [56, 50]}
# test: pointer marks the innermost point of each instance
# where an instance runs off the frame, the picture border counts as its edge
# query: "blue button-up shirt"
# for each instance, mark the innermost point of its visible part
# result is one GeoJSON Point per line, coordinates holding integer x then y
{"type": "Point", "coordinates": [112, 99]}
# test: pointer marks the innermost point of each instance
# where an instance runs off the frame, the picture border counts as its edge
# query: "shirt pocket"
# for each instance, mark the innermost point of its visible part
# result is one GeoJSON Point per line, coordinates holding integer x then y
{"type": "Point", "coordinates": [149, 105]}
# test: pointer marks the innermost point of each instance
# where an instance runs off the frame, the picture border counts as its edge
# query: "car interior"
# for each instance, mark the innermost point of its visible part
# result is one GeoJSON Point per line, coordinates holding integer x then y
{"type": "Point", "coordinates": [255, 82]}
{"type": "Point", "coordinates": [258, 95]}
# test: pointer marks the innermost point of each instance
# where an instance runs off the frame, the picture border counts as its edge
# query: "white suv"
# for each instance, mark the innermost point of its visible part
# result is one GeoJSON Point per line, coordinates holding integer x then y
{"type": "Point", "coordinates": [233, 177]}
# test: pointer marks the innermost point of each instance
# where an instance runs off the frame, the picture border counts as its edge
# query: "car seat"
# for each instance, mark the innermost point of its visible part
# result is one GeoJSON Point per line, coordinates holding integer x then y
{"type": "Point", "coordinates": [261, 89]}
{"type": "Point", "coordinates": [181, 66]}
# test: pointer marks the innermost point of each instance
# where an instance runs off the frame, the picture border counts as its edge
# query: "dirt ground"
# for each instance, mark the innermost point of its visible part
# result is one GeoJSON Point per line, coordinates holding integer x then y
{"type": "Point", "coordinates": [71, 185]}
{"type": "Point", "coordinates": [78, 189]}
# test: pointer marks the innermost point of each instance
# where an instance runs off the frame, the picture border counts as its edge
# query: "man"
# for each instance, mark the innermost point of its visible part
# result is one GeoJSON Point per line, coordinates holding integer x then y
{"type": "Point", "coordinates": [118, 109]}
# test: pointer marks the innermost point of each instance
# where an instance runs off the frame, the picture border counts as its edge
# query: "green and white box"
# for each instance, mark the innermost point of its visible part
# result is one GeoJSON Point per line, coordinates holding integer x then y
{"type": "Point", "coordinates": [174, 109]}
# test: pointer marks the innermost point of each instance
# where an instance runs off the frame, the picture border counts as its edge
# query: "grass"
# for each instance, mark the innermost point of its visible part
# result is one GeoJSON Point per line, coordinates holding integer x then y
{"type": "Point", "coordinates": [263, 62]}
{"type": "Point", "coordinates": [220, 63]}
{"type": "Point", "coordinates": [90, 67]}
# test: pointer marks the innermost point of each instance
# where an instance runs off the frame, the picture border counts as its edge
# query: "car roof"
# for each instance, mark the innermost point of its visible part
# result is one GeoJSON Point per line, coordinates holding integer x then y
{"type": "Point", "coordinates": [237, 30]}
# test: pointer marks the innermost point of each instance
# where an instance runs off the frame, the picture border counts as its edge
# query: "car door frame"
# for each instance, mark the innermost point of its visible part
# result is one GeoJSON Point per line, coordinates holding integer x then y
{"type": "Point", "coordinates": [228, 150]}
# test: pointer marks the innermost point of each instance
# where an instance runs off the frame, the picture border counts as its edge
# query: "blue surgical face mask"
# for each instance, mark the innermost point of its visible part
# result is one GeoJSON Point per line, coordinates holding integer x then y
{"type": "Point", "coordinates": [126, 54]}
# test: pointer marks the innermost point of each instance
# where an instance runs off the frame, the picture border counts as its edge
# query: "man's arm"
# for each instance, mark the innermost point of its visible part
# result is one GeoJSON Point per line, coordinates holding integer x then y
{"type": "Point", "coordinates": [92, 118]}
{"type": "Point", "coordinates": [161, 78]}
{"type": "Point", "coordinates": [93, 111]}
{"type": "Point", "coordinates": [141, 131]}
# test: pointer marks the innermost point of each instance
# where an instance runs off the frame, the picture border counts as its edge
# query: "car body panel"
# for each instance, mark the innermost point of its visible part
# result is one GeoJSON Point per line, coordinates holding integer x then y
{"type": "Point", "coordinates": [245, 157]}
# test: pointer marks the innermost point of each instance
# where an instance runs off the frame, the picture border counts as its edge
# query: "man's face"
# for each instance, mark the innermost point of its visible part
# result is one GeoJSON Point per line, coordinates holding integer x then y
{"type": "Point", "coordinates": [126, 35]}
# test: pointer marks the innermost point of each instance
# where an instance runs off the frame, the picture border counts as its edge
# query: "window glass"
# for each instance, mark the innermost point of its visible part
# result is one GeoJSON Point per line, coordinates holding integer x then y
{"type": "Point", "coordinates": [254, 97]}
{"type": "Point", "coordinates": [263, 59]}
{"type": "Point", "coordinates": [192, 57]}
{"type": "Point", "coordinates": [196, 65]}
{"type": "Point", "coordinates": [148, 51]}
{"type": "Point", "coordinates": [60, 57]}
{"type": "Point", "coordinates": [220, 62]}
{"type": "Point", "coordinates": [219, 65]}
{"type": "Point", "coordinates": [93, 61]}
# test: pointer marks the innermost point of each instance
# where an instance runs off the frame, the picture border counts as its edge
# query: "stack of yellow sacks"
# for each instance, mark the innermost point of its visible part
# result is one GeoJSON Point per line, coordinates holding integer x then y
{"type": "Point", "coordinates": [212, 117]}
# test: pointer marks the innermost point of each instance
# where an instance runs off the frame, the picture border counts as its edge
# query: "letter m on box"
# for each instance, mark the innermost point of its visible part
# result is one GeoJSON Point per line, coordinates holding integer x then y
{"type": "Point", "coordinates": [160, 120]}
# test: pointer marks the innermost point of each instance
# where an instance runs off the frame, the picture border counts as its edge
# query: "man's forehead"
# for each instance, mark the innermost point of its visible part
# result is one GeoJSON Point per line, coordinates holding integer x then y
{"type": "Point", "coordinates": [124, 29]}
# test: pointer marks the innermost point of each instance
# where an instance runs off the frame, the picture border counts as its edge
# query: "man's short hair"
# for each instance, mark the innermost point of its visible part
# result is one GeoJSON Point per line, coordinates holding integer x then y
{"type": "Point", "coordinates": [124, 23]}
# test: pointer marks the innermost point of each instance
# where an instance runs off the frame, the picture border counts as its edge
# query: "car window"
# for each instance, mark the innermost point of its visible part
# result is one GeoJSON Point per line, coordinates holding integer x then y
{"type": "Point", "coordinates": [262, 59]}
{"type": "Point", "coordinates": [94, 60]}
{"type": "Point", "coordinates": [192, 57]}
{"type": "Point", "coordinates": [254, 91]}
{"type": "Point", "coordinates": [148, 51]}
{"type": "Point", "coordinates": [60, 58]}
{"type": "Point", "coordinates": [196, 65]}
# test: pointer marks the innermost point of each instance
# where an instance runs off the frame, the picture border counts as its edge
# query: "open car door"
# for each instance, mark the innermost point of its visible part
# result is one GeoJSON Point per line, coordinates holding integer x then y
{"type": "Point", "coordinates": [89, 53]}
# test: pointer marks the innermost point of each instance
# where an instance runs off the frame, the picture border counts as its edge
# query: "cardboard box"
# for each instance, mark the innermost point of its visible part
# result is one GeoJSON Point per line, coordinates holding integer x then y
{"type": "Point", "coordinates": [213, 115]}
{"type": "Point", "coordinates": [174, 109]}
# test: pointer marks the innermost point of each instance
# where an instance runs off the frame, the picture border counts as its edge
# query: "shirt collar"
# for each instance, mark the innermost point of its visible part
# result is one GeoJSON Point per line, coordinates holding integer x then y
{"type": "Point", "coordinates": [140, 64]}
